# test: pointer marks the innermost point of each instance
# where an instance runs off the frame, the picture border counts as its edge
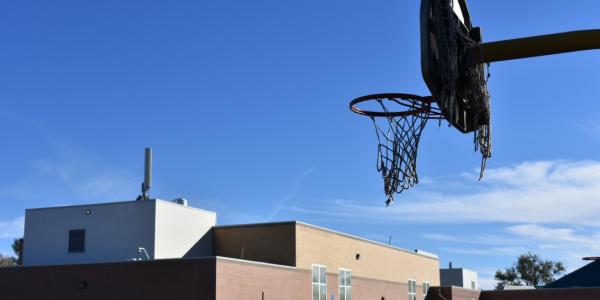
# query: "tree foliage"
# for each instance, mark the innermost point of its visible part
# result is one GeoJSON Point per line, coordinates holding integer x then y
{"type": "Point", "coordinates": [7, 261]}
{"type": "Point", "coordinates": [507, 277]}
{"type": "Point", "coordinates": [17, 247]}
{"type": "Point", "coordinates": [530, 270]}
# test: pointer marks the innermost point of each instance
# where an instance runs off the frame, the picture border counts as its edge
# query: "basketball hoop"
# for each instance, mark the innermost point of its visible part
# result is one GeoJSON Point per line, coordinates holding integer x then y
{"type": "Point", "coordinates": [453, 58]}
{"type": "Point", "coordinates": [398, 122]}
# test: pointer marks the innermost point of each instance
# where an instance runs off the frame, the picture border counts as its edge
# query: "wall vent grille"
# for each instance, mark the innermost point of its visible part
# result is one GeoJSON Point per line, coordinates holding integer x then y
{"type": "Point", "coordinates": [77, 240]}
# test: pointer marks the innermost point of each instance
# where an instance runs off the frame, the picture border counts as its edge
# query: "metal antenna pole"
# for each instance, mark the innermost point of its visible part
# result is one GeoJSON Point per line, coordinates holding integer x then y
{"type": "Point", "coordinates": [147, 174]}
{"type": "Point", "coordinates": [538, 46]}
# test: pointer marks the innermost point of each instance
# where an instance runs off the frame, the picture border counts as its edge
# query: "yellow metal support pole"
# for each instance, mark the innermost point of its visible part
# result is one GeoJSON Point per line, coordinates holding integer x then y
{"type": "Point", "coordinates": [539, 45]}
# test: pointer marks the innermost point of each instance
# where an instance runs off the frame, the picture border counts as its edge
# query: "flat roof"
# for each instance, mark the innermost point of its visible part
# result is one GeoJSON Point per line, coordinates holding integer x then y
{"type": "Point", "coordinates": [427, 255]}
{"type": "Point", "coordinates": [457, 270]}
{"type": "Point", "coordinates": [118, 203]}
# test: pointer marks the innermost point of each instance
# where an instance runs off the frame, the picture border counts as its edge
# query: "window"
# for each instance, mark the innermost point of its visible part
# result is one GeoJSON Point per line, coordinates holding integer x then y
{"type": "Point", "coordinates": [473, 285]}
{"type": "Point", "coordinates": [319, 282]}
{"type": "Point", "coordinates": [412, 289]}
{"type": "Point", "coordinates": [425, 288]}
{"type": "Point", "coordinates": [77, 240]}
{"type": "Point", "coordinates": [345, 284]}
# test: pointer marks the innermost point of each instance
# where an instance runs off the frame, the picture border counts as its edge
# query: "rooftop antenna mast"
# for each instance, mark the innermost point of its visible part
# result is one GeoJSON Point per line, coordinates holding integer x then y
{"type": "Point", "coordinates": [147, 175]}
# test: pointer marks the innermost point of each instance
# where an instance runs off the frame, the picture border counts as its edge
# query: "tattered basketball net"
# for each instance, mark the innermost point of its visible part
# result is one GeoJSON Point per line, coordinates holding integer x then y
{"type": "Point", "coordinates": [398, 125]}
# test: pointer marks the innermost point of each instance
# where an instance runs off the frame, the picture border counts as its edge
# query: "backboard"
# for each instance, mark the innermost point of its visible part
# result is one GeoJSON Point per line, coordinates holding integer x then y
{"type": "Point", "coordinates": [452, 64]}
{"type": "Point", "coordinates": [456, 80]}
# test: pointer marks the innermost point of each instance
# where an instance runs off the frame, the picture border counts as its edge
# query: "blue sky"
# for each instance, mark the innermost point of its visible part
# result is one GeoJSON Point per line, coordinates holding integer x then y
{"type": "Point", "coordinates": [245, 106]}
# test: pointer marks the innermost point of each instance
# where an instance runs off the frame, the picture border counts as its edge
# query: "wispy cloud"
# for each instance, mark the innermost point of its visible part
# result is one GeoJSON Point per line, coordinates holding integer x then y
{"type": "Point", "coordinates": [591, 127]}
{"type": "Point", "coordinates": [66, 170]}
{"type": "Point", "coordinates": [444, 238]}
{"type": "Point", "coordinates": [530, 192]}
{"type": "Point", "coordinates": [72, 177]}
{"type": "Point", "coordinates": [569, 243]}
{"type": "Point", "coordinates": [487, 283]}
{"type": "Point", "coordinates": [547, 207]}
{"type": "Point", "coordinates": [294, 189]}
{"type": "Point", "coordinates": [559, 243]}
{"type": "Point", "coordinates": [12, 228]}
{"type": "Point", "coordinates": [542, 233]}
{"type": "Point", "coordinates": [489, 251]}
{"type": "Point", "coordinates": [477, 239]}
{"type": "Point", "coordinates": [108, 186]}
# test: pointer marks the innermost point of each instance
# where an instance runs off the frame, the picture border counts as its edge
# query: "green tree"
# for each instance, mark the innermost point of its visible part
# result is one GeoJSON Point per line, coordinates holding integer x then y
{"type": "Point", "coordinates": [17, 247]}
{"type": "Point", "coordinates": [7, 261]}
{"type": "Point", "coordinates": [530, 270]}
{"type": "Point", "coordinates": [507, 277]}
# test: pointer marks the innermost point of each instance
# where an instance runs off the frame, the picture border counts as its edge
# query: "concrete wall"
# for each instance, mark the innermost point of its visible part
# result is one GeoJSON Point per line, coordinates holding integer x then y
{"type": "Point", "coordinates": [459, 277]}
{"type": "Point", "coordinates": [190, 279]}
{"type": "Point", "coordinates": [468, 277]}
{"type": "Point", "coordinates": [182, 231]}
{"type": "Point", "coordinates": [114, 231]}
{"type": "Point", "coordinates": [377, 261]}
{"type": "Point", "coordinates": [451, 277]}
{"type": "Point", "coordinates": [271, 243]}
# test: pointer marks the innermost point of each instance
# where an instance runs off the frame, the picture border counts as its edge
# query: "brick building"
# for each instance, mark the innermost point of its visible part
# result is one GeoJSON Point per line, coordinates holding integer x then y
{"type": "Point", "coordinates": [155, 249]}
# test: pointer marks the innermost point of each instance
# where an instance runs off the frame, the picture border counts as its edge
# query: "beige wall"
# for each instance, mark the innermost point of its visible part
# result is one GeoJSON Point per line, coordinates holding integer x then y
{"type": "Point", "coordinates": [301, 245]}
{"type": "Point", "coordinates": [271, 243]}
{"type": "Point", "coordinates": [237, 279]}
{"type": "Point", "coordinates": [334, 250]}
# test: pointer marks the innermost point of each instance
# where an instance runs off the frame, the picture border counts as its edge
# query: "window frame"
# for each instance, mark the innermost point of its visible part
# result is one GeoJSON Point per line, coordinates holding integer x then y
{"type": "Point", "coordinates": [426, 286]}
{"type": "Point", "coordinates": [319, 284]}
{"type": "Point", "coordinates": [412, 295]}
{"type": "Point", "coordinates": [346, 287]}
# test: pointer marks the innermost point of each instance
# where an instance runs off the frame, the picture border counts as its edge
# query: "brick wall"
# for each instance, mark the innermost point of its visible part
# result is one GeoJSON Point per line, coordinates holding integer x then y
{"type": "Point", "coordinates": [543, 294]}
{"type": "Point", "coordinates": [456, 293]}
{"type": "Point", "coordinates": [148, 280]}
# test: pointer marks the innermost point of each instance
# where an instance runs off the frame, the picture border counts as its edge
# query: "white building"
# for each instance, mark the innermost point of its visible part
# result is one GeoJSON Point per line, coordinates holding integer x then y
{"type": "Point", "coordinates": [119, 231]}
{"type": "Point", "coordinates": [460, 277]}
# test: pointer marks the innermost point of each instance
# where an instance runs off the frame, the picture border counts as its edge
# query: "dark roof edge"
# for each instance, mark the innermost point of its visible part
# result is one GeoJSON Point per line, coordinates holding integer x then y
{"type": "Point", "coordinates": [256, 224]}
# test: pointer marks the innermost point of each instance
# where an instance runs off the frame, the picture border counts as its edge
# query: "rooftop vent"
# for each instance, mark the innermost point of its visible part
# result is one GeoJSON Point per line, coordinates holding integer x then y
{"type": "Point", "coordinates": [181, 201]}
